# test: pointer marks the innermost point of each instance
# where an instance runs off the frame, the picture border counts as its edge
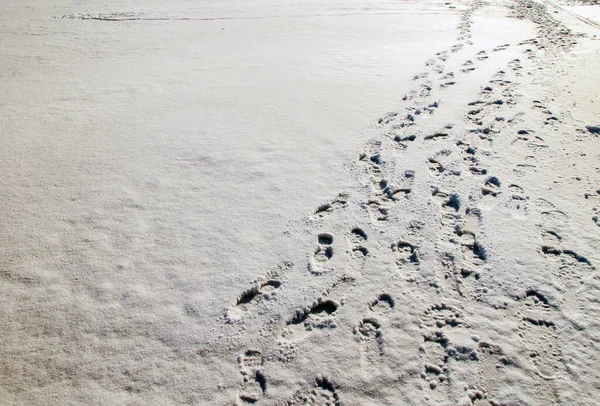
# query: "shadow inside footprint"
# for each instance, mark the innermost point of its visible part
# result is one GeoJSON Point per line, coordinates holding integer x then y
{"type": "Point", "coordinates": [383, 304]}
{"type": "Point", "coordinates": [325, 239]}
{"type": "Point", "coordinates": [324, 308]}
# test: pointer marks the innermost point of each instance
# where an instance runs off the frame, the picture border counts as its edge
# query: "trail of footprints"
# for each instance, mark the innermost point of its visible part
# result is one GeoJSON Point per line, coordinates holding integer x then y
{"type": "Point", "coordinates": [461, 256]}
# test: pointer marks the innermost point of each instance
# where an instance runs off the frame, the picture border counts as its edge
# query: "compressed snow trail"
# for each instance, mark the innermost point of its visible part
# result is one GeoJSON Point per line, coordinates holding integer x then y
{"type": "Point", "coordinates": [193, 214]}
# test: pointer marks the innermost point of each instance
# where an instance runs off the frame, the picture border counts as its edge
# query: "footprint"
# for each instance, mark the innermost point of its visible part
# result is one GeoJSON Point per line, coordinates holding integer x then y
{"type": "Point", "coordinates": [387, 118]}
{"type": "Point", "coordinates": [474, 253]}
{"type": "Point", "coordinates": [359, 234]}
{"type": "Point", "coordinates": [392, 191]}
{"type": "Point", "coordinates": [538, 333]}
{"type": "Point", "coordinates": [435, 167]}
{"type": "Point", "coordinates": [250, 298]}
{"type": "Point", "coordinates": [378, 210]}
{"type": "Point", "coordinates": [557, 217]}
{"type": "Point", "coordinates": [544, 204]}
{"type": "Point", "coordinates": [383, 305]}
{"type": "Point", "coordinates": [437, 351]}
{"type": "Point", "coordinates": [254, 383]}
{"type": "Point", "coordinates": [490, 378]}
{"type": "Point", "coordinates": [328, 208]}
{"type": "Point", "coordinates": [491, 187]}
{"type": "Point", "coordinates": [438, 68]}
{"type": "Point", "coordinates": [441, 315]}
{"type": "Point", "coordinates": [401, 141]}
{"type": "Point", "coordinates": [551, 238]}
{"type": "Point", "coordinates": [470, 157]}
{"type": "Point", "coordinates": [368, 331]}
{"type": "Point", "coordinates": [322, 393]}
{"type": "Point", "coordinates": [422, 75]}
{"type": "Point", "coordinates": [450, 202]}
{"type": "Point", "coordinates": [320, 315]}
{"type": "Point", "coordinates": [440, 165]}
{"type": "Point", "coordinates": [251, 360]}
{"type": "Point", "coordinates": [460, 279]}
{"type": "Point", "coordinates": [570, 267]}
{"type": "Point", "coordinates": [405, 253]}
{"type": "Point", "coordinates": [431, 107]}
{"type": "Point", "coordinates": [323, 253]}
{"type": "Point", "coordinates": [373, 159]}
{"type": "Point", "coordinates": [386, 193]}
{"type": "Point", "coordinates": [550, 214]}
{"type": "Point", "coordinates": [497, 102]}
{"type": "Point", "coordinates": [542, 341]}
{"type": "Point", "coordinates": [325, 239]}
{"type": "Point", "coordinates": [476, 102]}
{"type": "Point", "coordinates": [406, 249]}
{"type": "Point", "coordinates": [516, 189]}
{"type": "Point", "coordinates": [475, 116]}
{"type": "Point", "coordinates": [425, 90]}
{"type": "Point", "coordinates": [457, 47]}
{"type": "Point", "coordinates": [518, 197]}
{"type": "Point", "coordinates": [450, 83]}
{"type": "Point", "coordinates": [516, 66]}
{"type": "Point", "coordinates": [450, 205]}
{"type": "Point", "coordinates": [357, 239]}
{"type": "Point", "coordinates": [436, 136]}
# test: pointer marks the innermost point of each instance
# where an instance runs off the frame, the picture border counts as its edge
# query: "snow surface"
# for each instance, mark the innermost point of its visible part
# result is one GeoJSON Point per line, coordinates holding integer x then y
{"type": "Point", "coordinates": [369, 202]}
